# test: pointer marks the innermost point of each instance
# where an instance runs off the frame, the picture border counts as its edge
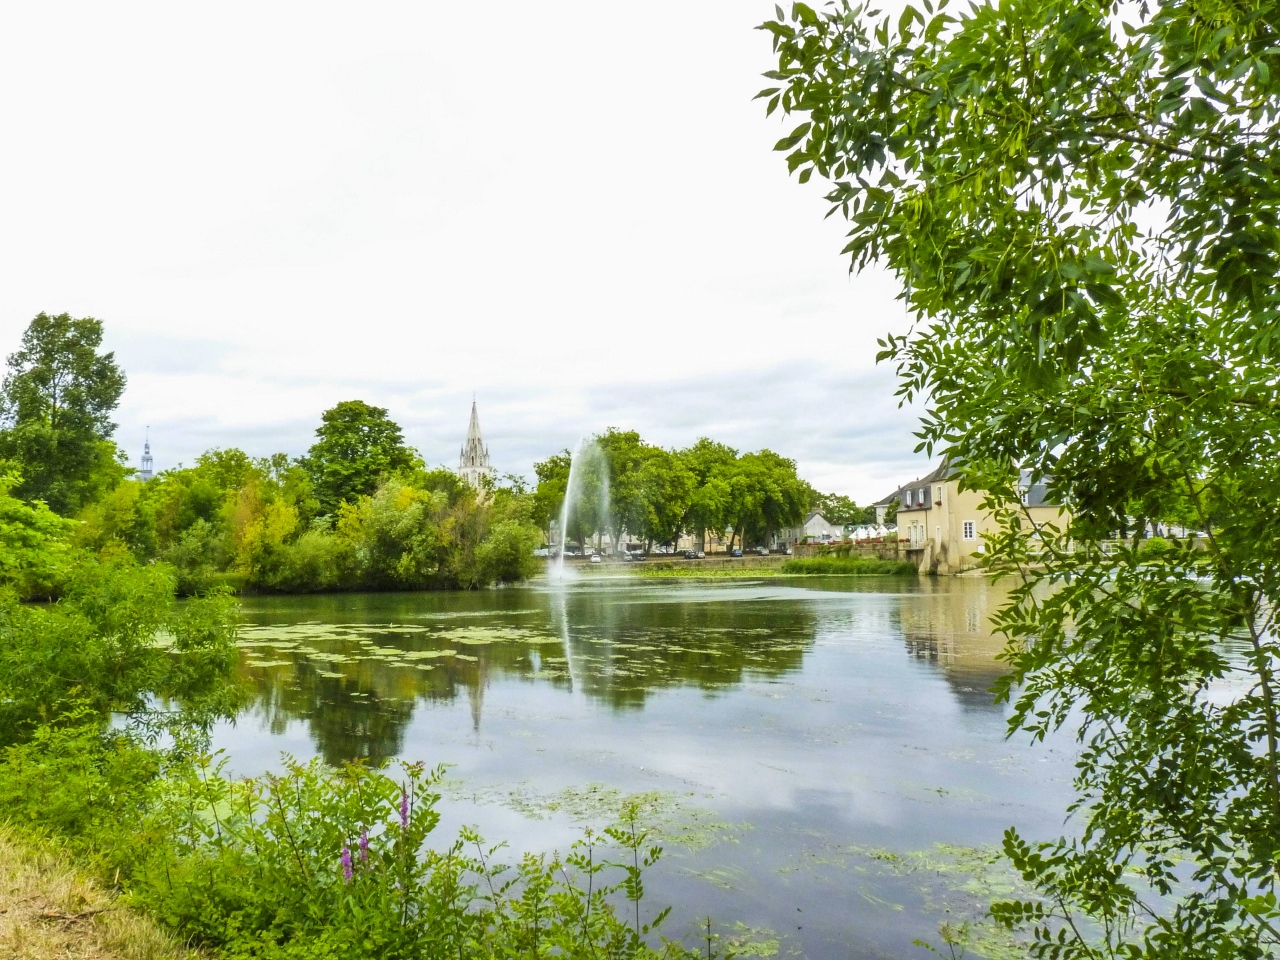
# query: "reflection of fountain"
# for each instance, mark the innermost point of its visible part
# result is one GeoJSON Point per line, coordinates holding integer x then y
{"type": "Point", "coordinates": [561, 604]}
{"type": "Point", "coordinates": [586, 498]}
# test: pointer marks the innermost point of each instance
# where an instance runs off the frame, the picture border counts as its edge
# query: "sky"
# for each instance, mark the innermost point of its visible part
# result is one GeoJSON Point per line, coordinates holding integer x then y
{"type": "Point", "coordinates": [571, 212]}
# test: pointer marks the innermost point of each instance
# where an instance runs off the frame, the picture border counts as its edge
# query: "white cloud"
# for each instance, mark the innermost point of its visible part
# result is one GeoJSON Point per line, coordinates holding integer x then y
{"type": "Point", "coordinates": [574, 212]}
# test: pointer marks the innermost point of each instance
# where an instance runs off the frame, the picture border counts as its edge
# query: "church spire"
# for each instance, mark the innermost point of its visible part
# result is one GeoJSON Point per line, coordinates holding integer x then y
{"type": "Point", "coordinates": [473, 462]}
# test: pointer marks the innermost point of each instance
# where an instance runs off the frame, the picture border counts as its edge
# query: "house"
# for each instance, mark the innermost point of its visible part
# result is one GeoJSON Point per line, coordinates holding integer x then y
{"type": "Point", "coordinates": [816, 528]}
{"type": "Point", "coordinates": [942, 527]}
{"type": "Point", "coordinates": [869, 531]}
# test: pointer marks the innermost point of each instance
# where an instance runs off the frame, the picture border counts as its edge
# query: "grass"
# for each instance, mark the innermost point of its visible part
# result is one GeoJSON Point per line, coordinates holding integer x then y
{"type": "Point", "coordinates": [725, 571]}
{"type": "Point", "coordinates": [747, 570]}
{"type": "Point", "coordinates": [848, 566]}
{"type": "Point", "coordinates": [48, 910]}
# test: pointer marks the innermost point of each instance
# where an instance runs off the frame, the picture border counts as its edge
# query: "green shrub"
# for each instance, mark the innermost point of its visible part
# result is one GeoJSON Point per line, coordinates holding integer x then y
{"type": "Point", "coordinates": [72, 781]}
{"type": "Point", "coordinates": [848, 566]}
{"type": "Point", "coordinates": [506, 554]}
{"type": "Point", "coordinates": [1155, 548]}
{"type": "Point", "coordinates": [115, 643]}
{"type": "Point", "coordinates": [339, 864]}
{"type": "Point", "coordinates": [316, 561]}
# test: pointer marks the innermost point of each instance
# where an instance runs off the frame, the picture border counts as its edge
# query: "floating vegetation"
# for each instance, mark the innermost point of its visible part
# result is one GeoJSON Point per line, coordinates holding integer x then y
{"type": "Point", "coordinates": [747, 941]}
{"type": "Point", "coordinates": [670, 817]}
{"type": "Point", "coordinates": [952, 881]}
{"type": "Point", "coordinates": [481, 635]}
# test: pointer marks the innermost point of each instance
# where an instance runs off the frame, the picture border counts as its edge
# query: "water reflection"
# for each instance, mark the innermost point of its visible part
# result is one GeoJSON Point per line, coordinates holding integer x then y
{"type": "Point", "coordinates": [816, 718]}
{"type": "Point", "coordinates": [949, 626]}
{"type": "Point", "coordinates": [354, 668]}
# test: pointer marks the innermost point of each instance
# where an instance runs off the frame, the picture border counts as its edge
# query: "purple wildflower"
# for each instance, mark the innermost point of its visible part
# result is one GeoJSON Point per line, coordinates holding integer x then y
{"type": "Point", "coordinates": [364, 845]}
{"type": "Point", "coordinates": [404, 809]}
{"type": "Point", "coordinates": [346, 863]}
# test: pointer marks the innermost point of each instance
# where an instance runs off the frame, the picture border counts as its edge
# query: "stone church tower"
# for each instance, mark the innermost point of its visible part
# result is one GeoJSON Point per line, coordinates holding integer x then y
{"type": "Point", "coordinates": [147, 471]}
{"type": "Point", "coordinates": [473, 464]}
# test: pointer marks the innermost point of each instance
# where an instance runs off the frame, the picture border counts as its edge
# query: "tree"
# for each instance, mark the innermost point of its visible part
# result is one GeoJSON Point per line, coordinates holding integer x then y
{"type": "Point", "coordinates": [706, 460]}
{"type": "Point", "coordinates": [625, 454]}
{"type": "Point", "coordinates": [357, 447]}
{"type": "Point", "coordinates": [764, 494]}
{"type": "Point", "coordinates": [33, 545]}
{"type": "Point", "coordinates": [1081, 201]}
{"type": "Point", "coordinates": [667, 487]}
{"type": "Point", "coordinates": [548, 496]}
{"type": "Point", "coordinates": [839, 509]}
{"type": "Point", "coordinates": [55, 406]}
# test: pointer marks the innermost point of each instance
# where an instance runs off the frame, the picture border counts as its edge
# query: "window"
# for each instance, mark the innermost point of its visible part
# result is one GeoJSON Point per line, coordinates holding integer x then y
{"type": "Point", "coordinates": [968, 530]}
{"type": "Point", "coordinates": [1026, 498]}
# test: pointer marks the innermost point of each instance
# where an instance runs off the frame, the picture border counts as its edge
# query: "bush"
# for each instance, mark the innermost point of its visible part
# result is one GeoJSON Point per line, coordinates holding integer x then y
{"type": "Point", "coordinates": [116, 643]}
{"type": "Point", "coordinates": [73, 781]}
{"type": "Point", "coordinates": [506, 555]}
{"type": "Point", "coordinates": [1155, 548]}
{"type": "Point", "coordinates": [316, 561]}
{"type": "Point", "coordinates": [337, 864]}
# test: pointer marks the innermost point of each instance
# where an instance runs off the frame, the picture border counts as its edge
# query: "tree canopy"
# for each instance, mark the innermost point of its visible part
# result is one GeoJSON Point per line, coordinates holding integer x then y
{"type": "Point", "coordinates": [357, 447]}
{"type": "Point", "coordinates": [55, 406]}
{"type": "Point", "coordinates": [1081, 202]}
{"type": "Point", "coordinates": [656, 495]}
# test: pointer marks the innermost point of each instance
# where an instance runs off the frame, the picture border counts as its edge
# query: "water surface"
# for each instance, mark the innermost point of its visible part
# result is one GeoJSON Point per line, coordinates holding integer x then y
{"type": "Point", "coordinates": [823, 756]}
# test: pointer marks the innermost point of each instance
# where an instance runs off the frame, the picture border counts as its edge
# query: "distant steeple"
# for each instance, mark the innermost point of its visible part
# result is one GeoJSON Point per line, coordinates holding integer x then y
{"type": "Point", "coordinates": [473, 462]}
{"type": "Point", "coordinates": [146, 473]}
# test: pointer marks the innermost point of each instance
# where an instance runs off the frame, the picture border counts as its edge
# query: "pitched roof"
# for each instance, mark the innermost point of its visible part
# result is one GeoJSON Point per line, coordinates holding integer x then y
{"type": "Point", "coordinates": [940, 473]}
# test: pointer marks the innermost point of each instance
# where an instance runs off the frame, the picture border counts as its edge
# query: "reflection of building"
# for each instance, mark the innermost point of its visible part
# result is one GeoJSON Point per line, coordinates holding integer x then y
{"type": "Point", "coordinates": [942, 527]}
{"type": "Point", "coordinates": [146, 473]}
{"type": "Point", "coordinates": [950, 628]}
{"type": "Point", "coordinates": [473, 463]}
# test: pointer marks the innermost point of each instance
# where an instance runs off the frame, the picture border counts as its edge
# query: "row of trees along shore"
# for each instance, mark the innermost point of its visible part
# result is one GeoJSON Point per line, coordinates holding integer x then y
{"type": "Point", "coordinates": [654, 495]}
{"type": "Point", "coordinates": [360, 510]}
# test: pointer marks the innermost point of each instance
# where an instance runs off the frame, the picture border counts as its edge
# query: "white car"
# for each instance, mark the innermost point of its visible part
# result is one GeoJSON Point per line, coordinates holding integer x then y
{"type": "Point", "coordinates": [595, 558]}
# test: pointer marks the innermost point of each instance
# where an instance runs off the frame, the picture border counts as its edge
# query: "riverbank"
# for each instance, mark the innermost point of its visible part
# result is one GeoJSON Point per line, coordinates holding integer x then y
{"type": "Point", "coordinates": [49, 909]}
{"type": "Point", "coordinates": [745, 568]}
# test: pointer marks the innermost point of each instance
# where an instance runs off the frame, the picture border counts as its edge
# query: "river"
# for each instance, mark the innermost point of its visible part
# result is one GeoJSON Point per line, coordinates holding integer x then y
{"type": "Point", "coordinates": [821, 757]}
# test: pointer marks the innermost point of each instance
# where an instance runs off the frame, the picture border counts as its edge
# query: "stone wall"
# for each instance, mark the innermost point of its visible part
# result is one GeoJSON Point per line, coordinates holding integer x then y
{"type": "Point", "coordinates": [887, 550]}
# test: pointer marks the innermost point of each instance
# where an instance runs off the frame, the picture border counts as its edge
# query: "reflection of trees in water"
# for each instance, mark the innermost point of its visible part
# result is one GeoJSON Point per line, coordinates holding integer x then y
{"type": "Point", "coordinates": [624, 652]}
{"type": "Point", "coordinates": [619, 651]}
{"type": "Point", "coordinates": [949, 626]}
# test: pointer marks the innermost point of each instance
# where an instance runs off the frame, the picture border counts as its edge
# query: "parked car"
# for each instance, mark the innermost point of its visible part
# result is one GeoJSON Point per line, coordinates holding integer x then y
{"type": "Point", "coordinates": [763, 551]}
{"type": "Point", "coordinates": [595, 558]}
{"type": "Point", "coordinates": [636, 557]}
{"type": "Point", "coordinates": [702, 555]}
{"type": "Point", "coordinates": [691, 554]}
{"type": "Point", "coordinates": [737, 552]}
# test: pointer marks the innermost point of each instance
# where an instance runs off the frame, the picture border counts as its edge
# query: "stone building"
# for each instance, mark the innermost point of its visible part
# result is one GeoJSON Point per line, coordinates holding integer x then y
{"type": "Point", "coordinates": [941, 527]}
{"type": "Point", "coordinates": [147, 471]}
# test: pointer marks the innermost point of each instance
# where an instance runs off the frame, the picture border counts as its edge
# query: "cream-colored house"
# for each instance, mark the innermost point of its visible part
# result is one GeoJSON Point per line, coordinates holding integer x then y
{"type": "Point", "coordinates": [942, 528]}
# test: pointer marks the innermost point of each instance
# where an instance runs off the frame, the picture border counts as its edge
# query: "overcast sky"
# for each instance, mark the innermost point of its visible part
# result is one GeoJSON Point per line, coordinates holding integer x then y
{"type": "Point", "coordinates": [571, 210]}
